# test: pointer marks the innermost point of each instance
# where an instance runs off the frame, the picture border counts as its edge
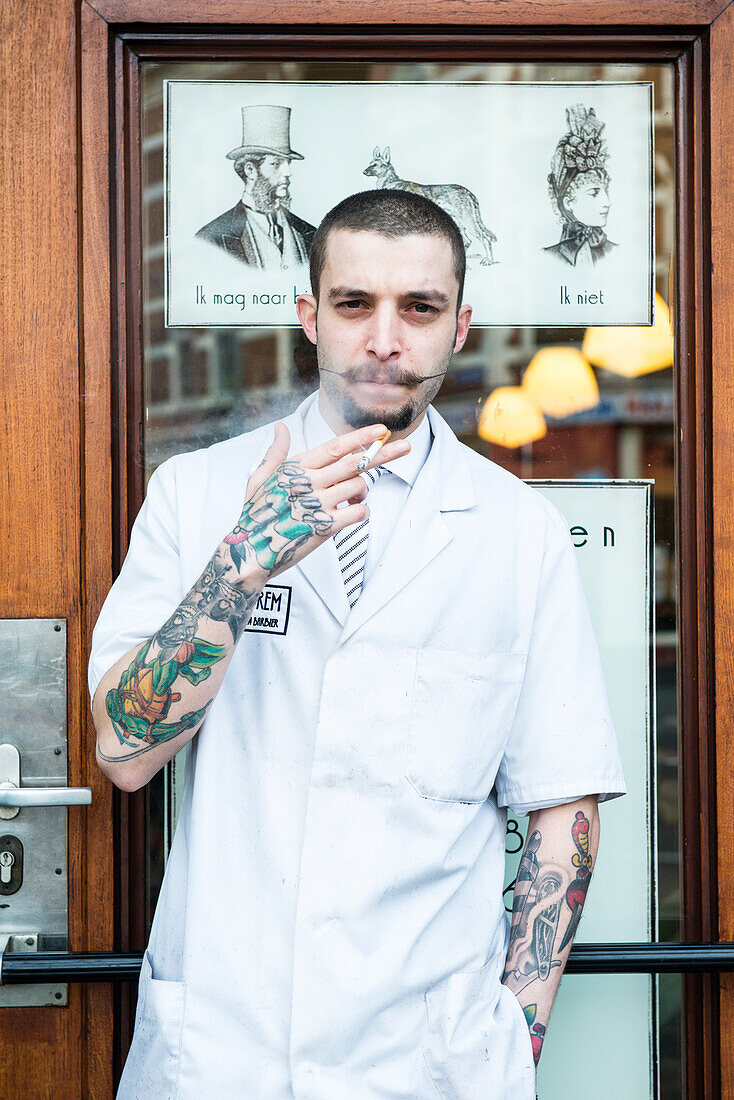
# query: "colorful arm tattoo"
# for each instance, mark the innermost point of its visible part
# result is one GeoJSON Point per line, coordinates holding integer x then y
{"type": "Point", "coordinates": [576, 893]}
{"type": "Point", "coordinates": [140, 704]}
{"type": "Point", "coordinates": [541, 889]}
{"type": "Point", "coordinates": [282, 514]}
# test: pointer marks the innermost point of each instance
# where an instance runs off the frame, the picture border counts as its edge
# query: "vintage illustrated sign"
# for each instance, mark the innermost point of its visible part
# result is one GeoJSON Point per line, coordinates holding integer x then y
{"type": "Point", "coordinates": [551, 185]}
{"type": "Point", "coordinates": [611, 526]}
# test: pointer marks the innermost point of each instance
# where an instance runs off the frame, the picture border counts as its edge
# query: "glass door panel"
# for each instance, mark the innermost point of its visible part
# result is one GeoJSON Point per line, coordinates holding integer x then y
{"type": "Point", "coordinates": [202, 384]}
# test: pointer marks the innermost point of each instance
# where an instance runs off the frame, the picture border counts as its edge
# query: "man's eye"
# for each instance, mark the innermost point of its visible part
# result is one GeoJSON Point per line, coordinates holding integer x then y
{"type": "Point", "coordinates": [353, 303]}
{"type": "Point", "coordinates": [423, 307]}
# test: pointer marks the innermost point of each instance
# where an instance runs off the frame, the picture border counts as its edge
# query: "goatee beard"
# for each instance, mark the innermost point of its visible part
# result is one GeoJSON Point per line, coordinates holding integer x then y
{"type": "Point", "coordinates": [395, 420]}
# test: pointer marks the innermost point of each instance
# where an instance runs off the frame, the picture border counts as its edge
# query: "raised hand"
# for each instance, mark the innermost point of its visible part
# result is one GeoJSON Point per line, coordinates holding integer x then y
{"type": "Point", "coordinates": [154, 699]}
{"type": "Point", "coordinates": [292, 504]}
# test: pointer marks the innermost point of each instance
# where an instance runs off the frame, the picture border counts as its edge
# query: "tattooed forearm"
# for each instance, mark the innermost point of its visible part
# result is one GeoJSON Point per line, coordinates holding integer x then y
{"type": "Point", "coordinates": [213, 596]}
{"type": "Point", "coordinates": [547, 905]}
{"type": "Point", "coordinates": [526, 876]}
{"type": "Point", "coordinates": [279, 516]}
{"type": "Point", "coordinates": [535, 915]}
{"type": "Point", "coordinates": [576, 893]}
{"type": "Point", "coordinates": [188, 721]}
{"type": "Point", "coordinates": [139, 705]}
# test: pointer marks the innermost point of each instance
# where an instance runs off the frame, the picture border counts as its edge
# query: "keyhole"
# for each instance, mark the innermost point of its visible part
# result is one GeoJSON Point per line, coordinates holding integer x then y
{"type": "Point", "coordinates": [7, 859]}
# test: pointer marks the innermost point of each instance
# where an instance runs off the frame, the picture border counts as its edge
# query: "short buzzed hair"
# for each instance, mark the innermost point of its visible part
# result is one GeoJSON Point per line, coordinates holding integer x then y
{"type": "Point", "coordinates": [391, 213]}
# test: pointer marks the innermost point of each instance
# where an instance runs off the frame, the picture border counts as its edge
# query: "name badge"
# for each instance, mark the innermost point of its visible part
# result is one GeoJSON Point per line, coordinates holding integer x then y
{"type": "Point", "coordinates": [272, 610]}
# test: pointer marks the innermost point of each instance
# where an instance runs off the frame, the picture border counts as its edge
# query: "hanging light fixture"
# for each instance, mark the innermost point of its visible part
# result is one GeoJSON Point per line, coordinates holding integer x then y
{"type": "Point", "coordinates": [510, 418]}
{"type": "Point", "coordinates": [632, 351]}
{"type": "Point", "coordinates": [561, 382]}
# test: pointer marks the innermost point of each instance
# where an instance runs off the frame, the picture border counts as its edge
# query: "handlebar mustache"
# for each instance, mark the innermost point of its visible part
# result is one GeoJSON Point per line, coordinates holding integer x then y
{"type": "Point", "coordinates": [408, 380]}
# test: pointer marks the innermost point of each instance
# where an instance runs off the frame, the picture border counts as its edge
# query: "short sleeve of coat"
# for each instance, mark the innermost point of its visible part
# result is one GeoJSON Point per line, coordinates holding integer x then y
{"type": "Point", "coordinates": [149, 586]}
{"type": "Point", "coordinates": [562, 743]}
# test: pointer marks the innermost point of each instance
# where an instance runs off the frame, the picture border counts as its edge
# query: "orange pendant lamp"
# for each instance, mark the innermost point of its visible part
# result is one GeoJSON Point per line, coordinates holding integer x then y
{"type": "Point", "coordinates": [632, 351]}
{"type": "Point", "coordinates": [561, 382]}
{"type": "Point", "coordinates": [510, 418]}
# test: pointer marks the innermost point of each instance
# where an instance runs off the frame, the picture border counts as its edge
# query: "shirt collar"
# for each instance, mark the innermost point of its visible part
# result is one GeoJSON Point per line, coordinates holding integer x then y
{"type": "Point", "coordinates": [317, 431]}
{"type": "Point", "coordinates": [264, 214]}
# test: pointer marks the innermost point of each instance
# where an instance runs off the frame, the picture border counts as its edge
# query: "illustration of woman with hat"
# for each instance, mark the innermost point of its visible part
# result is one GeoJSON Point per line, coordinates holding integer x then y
{"type": "Point", "coordinates": [578, 186]}
{"type": "Point", "coordinates": [261, 230]}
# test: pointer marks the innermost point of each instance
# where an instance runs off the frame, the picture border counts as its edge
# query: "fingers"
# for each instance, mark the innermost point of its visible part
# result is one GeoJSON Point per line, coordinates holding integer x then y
{"type": "Point", "coordinates": [276, 453]}
{"type": "Point", "coordinates": [345, 517]}
{"type": "Point", "coordinates": [346, 468]}
{"type": "Point", "coordinates": [354, 490]}
{"type": "Point", "coordinates": [341, 445]}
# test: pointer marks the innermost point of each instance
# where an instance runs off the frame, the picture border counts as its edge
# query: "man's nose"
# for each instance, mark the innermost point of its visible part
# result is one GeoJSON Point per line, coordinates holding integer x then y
{"type": "Point", "coordinates": [384, 333]}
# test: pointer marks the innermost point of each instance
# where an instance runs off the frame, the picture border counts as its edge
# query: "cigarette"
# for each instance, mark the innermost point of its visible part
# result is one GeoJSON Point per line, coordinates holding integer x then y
{"type": "Point", "coordinates": [371, 451]}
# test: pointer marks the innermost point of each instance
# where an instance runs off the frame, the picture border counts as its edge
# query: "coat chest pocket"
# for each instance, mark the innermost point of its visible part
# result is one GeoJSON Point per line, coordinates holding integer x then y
{"type": "Point", "coordinates": [462, 712]}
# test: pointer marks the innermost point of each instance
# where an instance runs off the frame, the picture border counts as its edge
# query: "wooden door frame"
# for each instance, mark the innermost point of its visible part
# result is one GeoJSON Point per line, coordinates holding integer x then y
{"type": "Point", "coordinates": [41, 518]}
{"type": "Point", "coordinates": [698, 38]}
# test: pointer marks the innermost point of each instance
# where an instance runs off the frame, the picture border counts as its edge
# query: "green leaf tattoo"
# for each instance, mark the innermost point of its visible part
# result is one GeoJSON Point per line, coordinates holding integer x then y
{"type": "Point", "coordinates": [139, 705]}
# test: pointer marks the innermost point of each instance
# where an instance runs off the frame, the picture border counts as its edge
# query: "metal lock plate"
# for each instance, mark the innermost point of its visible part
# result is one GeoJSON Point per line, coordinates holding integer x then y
{"type": "Point", "coordinates": [33, 709]}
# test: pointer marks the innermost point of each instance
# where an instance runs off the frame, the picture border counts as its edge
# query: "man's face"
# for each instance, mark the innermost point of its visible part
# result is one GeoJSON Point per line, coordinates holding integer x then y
{"type": "Point", "coordinates": [269, 184]}
{"type": "Point", "coordinates": [385, 327]}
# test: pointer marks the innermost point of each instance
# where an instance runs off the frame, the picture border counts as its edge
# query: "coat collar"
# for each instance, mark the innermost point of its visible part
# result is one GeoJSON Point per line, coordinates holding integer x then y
{"type": "Point", "coordinates": [448, 465]}
{"type": "Point", "coordinates": [421, 532]}
{"type": "Point", "coordinates": [443, 485]}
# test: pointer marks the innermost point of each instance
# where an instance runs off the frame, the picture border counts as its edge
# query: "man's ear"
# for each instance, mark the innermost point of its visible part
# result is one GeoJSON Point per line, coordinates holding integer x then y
{"type": "Point", "coordinates": [462, 327]}
{"type": "Point", "coordinates": [306, 310]}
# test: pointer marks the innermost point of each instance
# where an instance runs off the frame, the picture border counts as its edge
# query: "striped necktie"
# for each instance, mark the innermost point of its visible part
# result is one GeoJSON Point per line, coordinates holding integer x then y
{"type": "Point", "coordinates": [351, 546]}
{"type": "Point", "coordinates": [275, 231]}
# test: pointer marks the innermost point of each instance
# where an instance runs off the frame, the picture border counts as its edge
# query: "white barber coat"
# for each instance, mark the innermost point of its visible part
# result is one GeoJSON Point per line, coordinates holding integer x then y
{"type": "Point", "coordinates": [331, 923]}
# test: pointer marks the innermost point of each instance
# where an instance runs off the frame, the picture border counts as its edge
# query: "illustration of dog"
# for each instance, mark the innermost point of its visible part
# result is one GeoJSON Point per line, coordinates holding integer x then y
{"type": "Point", "coordinates": [457, 201]}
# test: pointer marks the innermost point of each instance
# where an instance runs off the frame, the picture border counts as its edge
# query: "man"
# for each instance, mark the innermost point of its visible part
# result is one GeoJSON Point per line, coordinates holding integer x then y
{"type": "Point", "coordinates": [331, 923]}
{"type": "Point", "coordinates": [261, 230]}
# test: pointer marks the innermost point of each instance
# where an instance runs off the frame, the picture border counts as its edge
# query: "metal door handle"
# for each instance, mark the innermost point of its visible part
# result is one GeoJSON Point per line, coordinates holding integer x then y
{"type": "Point", "coordinates": [13, 797]}
{"type": "Point", "coordinates": [45, 796]}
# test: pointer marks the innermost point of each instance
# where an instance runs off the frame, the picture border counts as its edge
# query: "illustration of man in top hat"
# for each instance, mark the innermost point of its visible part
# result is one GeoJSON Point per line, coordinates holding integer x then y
{"type": "Point", "coordinates": [261, 230]}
